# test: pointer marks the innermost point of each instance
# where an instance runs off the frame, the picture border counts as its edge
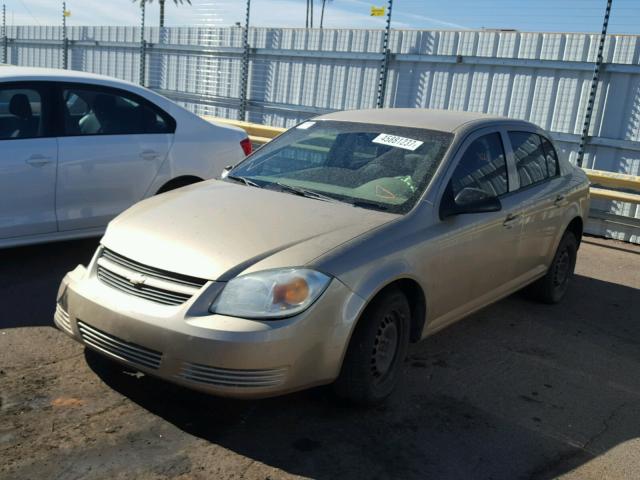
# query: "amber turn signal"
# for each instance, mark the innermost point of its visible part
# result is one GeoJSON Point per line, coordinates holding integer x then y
{"type": "Point", "coordinates": [293, 292]}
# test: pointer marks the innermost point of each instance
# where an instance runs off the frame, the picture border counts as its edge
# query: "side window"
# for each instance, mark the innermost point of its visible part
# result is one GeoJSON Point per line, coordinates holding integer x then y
{"type": "Point", "coordinates": [482, 171]}
{"type": "Point", "coordinates": [551, 156]}
{"type": "Point", "coordinates": [96, 111]}
{"type": "Point", "coordinates": [76, 105]}
{"type": "Point", "coordinates": [530, 159]}
{"type": "Point", "coordinates": [20, 113]}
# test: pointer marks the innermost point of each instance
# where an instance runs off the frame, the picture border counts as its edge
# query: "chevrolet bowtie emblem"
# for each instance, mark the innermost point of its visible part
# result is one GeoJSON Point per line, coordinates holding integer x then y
{"type": "Point", "coordinates": [137, 279]}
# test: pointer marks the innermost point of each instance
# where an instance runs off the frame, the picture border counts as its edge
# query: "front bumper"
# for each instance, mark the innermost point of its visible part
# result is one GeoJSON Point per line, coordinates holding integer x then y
{"type": "Point", "coordinates": [223, 355]}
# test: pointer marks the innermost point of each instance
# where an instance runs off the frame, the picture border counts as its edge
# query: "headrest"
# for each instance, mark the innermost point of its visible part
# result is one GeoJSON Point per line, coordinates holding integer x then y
{"type": "Point", "coordinates": [20, 106]}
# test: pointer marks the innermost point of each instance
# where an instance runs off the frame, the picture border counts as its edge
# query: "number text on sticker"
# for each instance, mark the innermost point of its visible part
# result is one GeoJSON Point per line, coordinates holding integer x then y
{"type": "Point", "coordinates": [396, 141]}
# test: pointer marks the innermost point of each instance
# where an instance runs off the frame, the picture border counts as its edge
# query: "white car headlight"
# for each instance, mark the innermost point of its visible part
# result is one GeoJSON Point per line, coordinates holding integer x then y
{"type": "Point", "coordinates": [271, 293]}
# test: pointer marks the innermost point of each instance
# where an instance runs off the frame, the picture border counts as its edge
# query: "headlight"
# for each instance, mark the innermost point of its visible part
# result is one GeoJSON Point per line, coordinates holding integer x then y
{"type": "Point", "coordinates": [270, 294]}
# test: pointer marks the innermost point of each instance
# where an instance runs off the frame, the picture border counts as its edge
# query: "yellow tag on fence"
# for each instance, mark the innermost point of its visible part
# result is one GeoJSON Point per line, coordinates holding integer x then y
{"type": "Point", "coordinates": [67, 13]}
{"type": "Point", "coordinates": [378, 11]}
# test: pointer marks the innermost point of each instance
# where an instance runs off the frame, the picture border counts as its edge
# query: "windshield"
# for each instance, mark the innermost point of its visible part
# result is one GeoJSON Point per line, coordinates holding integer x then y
{"type": "Point", "coordinates": [372, 166]}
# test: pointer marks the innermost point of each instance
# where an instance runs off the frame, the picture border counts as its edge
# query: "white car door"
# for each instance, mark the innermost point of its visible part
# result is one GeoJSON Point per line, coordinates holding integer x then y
{"type": "Point", "coordinates": [111, 148]}
{"type": "Point", "coordinates": [27, 162]}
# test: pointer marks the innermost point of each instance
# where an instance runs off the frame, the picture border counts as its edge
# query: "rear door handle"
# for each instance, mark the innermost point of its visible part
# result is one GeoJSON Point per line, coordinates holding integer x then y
{"type": "Point", "coordinates": [511, 220]}
{"type": "Point", "coordinates": [38, 160]}
{"type": "Point", "coordinates": [560, 201]}
{"type": "Point", "coordinates": [149, 154]}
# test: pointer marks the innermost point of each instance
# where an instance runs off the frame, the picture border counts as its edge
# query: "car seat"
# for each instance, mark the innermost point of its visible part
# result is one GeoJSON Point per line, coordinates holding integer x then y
{"type": "Point", "coordinates": [20, 108]}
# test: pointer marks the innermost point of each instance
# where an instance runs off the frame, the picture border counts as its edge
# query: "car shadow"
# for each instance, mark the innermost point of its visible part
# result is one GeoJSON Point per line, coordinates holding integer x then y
{"type": "Point", "coordinates": [518, 390]}
{"type": "Point", "coordinates": [30, 276]}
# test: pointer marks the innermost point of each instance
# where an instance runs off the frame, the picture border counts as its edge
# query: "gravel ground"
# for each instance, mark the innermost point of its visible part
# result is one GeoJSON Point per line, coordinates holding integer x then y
{"type": "Point", "coordinates": [518, 390]}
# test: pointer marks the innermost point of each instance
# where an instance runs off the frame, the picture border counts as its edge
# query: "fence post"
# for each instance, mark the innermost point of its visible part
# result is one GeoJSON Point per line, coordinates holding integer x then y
{"type": "Point", "coordinates": [244, 84]}
{"type": "Point", "coordinates": [143, 45]}
{"type": "Point", "coordinates": [384, 66]}
{"type": "Point", "coordinates": [4, 33]}
{"type": "Point", "coordinates": [324, 4]}
{"type": "Point", "coordinates": [65, 40]}
{"type": "Point", "coordinates": [594, 86]}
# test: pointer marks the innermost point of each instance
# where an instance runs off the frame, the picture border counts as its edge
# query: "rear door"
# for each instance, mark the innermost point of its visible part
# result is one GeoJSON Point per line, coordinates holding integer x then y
{"type": "Point", "coordinates": [539, 191]}
{"type": "Point", "coordinates": [111, 146]}
{"type": "Point", "coordinates": [28, 156]}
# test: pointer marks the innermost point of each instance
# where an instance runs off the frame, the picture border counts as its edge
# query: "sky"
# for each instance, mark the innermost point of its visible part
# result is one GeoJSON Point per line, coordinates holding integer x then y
{"type": "Point", "coordinates": [523, 15]}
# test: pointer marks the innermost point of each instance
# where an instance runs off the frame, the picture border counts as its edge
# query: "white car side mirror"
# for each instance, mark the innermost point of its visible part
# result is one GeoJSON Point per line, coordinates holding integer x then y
{"type": "Point", "coordinates": [225, 172]}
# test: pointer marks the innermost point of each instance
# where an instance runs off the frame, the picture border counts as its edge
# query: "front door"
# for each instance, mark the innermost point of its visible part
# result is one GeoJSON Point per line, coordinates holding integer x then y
{"type": "Point", "coordinates": [476, 251]}
{"type": "Point", "coordinates": [27, 162]}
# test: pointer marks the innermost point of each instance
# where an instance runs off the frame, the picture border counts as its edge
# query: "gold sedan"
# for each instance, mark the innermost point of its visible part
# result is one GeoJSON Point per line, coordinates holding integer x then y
{"type": "Point", "coordinates": [318, 258]}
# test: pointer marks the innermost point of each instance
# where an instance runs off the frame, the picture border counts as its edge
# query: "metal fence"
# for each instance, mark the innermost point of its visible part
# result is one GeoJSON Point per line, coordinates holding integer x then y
{"type": "Point", "coordinates": [281, 76]}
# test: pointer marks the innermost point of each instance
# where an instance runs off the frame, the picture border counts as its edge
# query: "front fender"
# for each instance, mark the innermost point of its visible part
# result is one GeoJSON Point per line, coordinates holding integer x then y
{"type": "Point", "coordinates": [367, 284]}
{"type": "Point", "coordinates": [376, 278]}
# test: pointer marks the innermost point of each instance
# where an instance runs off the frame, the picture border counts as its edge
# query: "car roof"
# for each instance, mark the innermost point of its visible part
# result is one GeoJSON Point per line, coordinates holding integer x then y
{"type": "Point", "coordinates": [431, 119]}
{"type": "Point", "coordinates": [13, 73]}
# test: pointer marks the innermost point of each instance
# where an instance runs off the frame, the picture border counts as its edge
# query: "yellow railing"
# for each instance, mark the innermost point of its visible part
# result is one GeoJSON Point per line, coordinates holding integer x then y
{"type": "Point", "coordinates": [614, 180]}
{"type": "Point", "coordinates": [257, 133]}
{"type": "Point", "coordinates": [261, 134]}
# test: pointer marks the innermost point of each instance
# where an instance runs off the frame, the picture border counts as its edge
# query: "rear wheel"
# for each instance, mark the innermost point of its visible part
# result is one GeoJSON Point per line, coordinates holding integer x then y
{"type": "Point", "coordinates": [552, 287]}
{"type": "Point", "coordinates": [372, 365]}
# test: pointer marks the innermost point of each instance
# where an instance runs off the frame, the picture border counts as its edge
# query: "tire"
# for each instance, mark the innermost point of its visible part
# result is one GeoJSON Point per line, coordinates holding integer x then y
{"type": "Point", "coordinates": [377, 350]}
{"type": "Point", "coordinates": [552, 287]}
{"type": "Point", "coordinates": [178, 183]}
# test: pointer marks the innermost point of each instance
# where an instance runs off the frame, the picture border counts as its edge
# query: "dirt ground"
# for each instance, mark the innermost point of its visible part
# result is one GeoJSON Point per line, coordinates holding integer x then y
{"type": "Point", "coordinates": [518, 390]}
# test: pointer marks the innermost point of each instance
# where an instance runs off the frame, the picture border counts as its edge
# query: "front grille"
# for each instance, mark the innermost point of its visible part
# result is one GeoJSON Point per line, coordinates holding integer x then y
{"type": "Point", "coordinates": [115, 347]}
{"type": "Point", "coordinates": [153, 284]}
{"type": "Point", "coordinates": [232, 378]}
{"type": "Point", "coordinates": [63, 320]}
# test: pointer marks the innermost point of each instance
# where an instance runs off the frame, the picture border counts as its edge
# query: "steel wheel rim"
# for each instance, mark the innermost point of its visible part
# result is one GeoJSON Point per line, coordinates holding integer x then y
{"type": "Point", "coordinates": [385, 346]}
{"type": "Point", "coordinates": [561, 269]}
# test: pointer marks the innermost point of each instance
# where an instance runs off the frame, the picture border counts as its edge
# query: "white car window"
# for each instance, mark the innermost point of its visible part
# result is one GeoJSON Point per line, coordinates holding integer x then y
{"type": "Point", "coordinates": [20, 113]}
{"type": "Point", "coordinates": [96, 111]}
{"type": "Point", "coordinates": [76, 105]}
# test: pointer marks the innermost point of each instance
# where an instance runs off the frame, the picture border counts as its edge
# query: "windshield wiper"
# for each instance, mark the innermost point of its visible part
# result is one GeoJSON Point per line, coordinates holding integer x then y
{"type": "Point", "coordinates": [371, 205]}
{"type": "Point", "coordinates": [303, 192]}
{"type": "Point", "coordinates": [319, 196]}
{"type": "Point", "coordinates": [244, 180]}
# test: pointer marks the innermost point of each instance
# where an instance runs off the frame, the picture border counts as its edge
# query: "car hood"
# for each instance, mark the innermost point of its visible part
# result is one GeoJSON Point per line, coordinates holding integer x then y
{"type": "Point", "coordinates": [215, 229]}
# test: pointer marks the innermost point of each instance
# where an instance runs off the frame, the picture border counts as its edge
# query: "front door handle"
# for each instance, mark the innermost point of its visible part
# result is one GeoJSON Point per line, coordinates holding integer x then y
{"type": "Point", "coordinates": [149, 155]}
{"type": "Point", "coordinates": [560, 201]}
{"type": "Point", "coordinates": [511, 220]}
{"type": "Point", "coordinates": [38, 160]}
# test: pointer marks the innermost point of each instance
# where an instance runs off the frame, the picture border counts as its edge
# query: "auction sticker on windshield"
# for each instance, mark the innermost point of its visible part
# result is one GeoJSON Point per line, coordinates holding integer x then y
{"type": "Point", "coordinates": [396, 141]}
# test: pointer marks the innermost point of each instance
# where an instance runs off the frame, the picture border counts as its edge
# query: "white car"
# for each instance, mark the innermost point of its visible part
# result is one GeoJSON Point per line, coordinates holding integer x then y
{"type": "Point", "coordinates": [76, 149]}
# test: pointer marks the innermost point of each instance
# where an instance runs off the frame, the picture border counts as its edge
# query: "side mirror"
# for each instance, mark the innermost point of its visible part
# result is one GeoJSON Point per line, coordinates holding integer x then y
{"type": "Point", "coordinates": [225, 172]}
{"type": "Point", "coordinates": [468, 200]}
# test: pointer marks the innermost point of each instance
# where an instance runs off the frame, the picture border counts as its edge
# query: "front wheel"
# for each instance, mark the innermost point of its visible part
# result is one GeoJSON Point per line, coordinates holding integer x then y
{"type": "Point", "coordinates": [377, 350]}
{"type": "Point", "coordinates": [552, 287]}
